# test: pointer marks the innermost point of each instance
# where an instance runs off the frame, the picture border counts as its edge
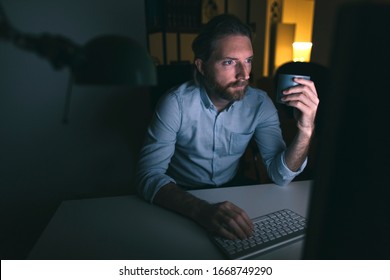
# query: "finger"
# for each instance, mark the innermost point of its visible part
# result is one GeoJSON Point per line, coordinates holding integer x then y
{"type": "Point", "coordinates": [301, 91]}
{"type": "Point", "coordinates": [239, 228]}
{"type": "Point", "coordinates": [246, 221]}
{"type": "Point", "coordinates": [242, 214]}
{"type": "Point", "coordinates": [301, 97]}
{"type": "Point", "coordinates": [233, 230]}
{"type": "Point", "coordinates": [308, 83]}
{"type": "Point", "coordinates": [296, 99]}
{"type": "Point", "coordinates": [307, 113]}
{"type": "Point", "coordinates": [306, 87]}
{"type": "Point", "coordinates": [238, 221]}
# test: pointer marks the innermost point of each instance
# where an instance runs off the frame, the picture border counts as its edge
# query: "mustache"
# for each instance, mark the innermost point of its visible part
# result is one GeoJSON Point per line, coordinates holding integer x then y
{"type": "Point", "coordinates": [241, 83]}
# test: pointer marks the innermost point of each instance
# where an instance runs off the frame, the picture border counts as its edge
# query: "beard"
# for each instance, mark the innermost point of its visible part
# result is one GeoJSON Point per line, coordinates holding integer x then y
{"type": "Point", "coordinates": [233, 91]}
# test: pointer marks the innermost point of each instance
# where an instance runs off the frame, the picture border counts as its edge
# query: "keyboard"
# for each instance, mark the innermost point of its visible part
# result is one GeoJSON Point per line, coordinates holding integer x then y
{"type": "Point", "coordinates": [271, 231]}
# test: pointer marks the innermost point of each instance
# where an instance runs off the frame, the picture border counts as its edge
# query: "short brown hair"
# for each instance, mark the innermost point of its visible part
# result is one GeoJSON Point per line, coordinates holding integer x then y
{"type": "Point", "coordinates": [218, 27]}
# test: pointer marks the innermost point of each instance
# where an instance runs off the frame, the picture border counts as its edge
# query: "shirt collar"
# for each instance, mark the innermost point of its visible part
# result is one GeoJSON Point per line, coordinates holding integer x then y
{"type": "Point", "coordinates": [205, 98]}
{"type": "Point", "coordinates": [207, 101]}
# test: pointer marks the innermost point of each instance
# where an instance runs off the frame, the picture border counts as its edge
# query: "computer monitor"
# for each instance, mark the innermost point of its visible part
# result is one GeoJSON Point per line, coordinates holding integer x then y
{"type": "Point", "coordinates": [349, 211]}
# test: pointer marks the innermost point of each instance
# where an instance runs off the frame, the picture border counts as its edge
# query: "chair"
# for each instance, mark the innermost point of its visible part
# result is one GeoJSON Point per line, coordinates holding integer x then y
{"type": "Point", "coordinates": [319, 73]}
{"type": "Point", "coordinates": [251, 166]}
{"type": "Point", "coordinates": [169, 76]}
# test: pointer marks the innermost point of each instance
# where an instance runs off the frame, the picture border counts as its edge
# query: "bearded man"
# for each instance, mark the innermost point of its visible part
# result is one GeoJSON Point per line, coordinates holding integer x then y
{"type": "Point", "coordinates": [201, 129]}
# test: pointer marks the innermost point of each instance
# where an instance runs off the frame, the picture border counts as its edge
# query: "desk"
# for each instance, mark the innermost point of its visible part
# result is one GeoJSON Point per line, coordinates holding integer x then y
{"type": "Point", "coordinates": [127, 227]}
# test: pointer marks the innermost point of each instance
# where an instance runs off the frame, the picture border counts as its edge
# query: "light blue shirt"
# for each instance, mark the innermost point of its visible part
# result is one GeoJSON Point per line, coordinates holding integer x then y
{"type": "Point", "coordinates": [189, 143]}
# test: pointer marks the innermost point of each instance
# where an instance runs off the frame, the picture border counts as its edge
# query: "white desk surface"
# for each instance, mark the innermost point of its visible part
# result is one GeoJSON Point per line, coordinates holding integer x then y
{"type": "Point", "coordinates": [127, 227]}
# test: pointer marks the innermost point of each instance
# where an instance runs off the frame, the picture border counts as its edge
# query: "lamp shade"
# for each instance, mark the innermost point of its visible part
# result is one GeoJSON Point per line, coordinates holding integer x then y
{"type": "Point", "coordinates": [302, 51]}
{"type": "Point", "coordinates": [114, 60]}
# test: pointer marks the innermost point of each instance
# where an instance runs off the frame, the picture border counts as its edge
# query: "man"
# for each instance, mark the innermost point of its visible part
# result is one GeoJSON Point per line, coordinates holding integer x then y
{"type": "Point", "coordinates": [202, 128]}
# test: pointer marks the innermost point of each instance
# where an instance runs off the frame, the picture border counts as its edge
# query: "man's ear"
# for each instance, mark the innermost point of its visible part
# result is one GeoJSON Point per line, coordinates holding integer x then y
{"type": "Point", "coordinates": [199, 65]}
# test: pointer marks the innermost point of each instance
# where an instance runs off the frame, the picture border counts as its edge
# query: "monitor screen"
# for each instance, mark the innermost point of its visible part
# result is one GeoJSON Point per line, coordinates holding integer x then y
{"type": "Point", "coordinates": [349, 212]}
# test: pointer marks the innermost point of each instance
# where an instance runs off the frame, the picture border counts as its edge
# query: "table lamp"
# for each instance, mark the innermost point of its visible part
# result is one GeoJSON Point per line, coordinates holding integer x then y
{"type": "Point", "coordinates": [301, 51]}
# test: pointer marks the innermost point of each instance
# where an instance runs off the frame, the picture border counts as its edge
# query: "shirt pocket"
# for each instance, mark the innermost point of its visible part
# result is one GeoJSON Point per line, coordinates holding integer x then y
{"type": "Point", "coordinates": [239, 142]}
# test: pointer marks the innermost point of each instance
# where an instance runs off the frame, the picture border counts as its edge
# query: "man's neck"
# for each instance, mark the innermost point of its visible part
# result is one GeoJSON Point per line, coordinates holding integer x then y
{"type": "Point", "coordinates": [219, 103]}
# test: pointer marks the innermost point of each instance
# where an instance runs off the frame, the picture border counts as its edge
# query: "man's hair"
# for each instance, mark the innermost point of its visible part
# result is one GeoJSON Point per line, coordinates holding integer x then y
{"type": "Point", "coordinates": [218, 27]}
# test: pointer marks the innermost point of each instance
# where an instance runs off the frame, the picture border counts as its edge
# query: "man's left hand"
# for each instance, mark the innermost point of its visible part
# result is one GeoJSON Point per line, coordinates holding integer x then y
{"type": "Point", "coordinates": [304, 99]}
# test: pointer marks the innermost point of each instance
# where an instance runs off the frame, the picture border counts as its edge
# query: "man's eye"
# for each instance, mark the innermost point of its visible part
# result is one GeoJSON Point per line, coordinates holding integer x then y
{"type": "Point", "coordinates": [227, 62]}
{"type": "Point", "coordinates": [249, 60]}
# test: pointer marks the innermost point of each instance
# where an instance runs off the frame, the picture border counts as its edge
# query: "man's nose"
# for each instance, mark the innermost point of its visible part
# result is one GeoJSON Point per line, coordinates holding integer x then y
{"type": "Point", "coordinates": [243, 71]}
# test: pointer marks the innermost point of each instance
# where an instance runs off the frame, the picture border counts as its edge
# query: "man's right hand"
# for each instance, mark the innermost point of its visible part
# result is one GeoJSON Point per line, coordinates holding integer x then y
{"type": "Point", "coordinates": [224, 218]}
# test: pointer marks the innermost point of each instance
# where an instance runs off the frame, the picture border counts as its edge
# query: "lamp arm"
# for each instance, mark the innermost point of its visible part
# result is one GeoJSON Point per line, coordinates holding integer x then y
{"type": "Point", "coordinates": [58, 50]}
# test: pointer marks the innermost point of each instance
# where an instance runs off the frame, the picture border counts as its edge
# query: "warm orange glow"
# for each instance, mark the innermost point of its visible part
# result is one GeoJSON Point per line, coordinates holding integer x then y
{"type": "Point", "coordinates": [302, 51]}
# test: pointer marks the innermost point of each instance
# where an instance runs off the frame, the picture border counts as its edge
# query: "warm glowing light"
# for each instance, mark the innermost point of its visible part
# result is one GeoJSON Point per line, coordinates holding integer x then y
{"type": "Point", "coordinates": [301, 51]}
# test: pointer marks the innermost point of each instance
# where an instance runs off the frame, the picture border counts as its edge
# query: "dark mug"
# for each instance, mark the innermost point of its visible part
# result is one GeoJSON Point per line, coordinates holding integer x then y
{"type": "Point", "coordinates": [285, 81]}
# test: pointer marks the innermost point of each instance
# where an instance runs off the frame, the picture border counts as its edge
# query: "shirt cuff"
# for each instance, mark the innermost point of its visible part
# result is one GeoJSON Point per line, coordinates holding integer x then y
{"type": "Point", "coordinates": [286, 172]}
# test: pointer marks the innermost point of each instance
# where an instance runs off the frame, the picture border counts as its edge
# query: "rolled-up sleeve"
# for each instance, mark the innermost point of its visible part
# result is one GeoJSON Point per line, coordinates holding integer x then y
{"type": "Point", "coordinates": [158, 148]}
{"type": "Point", "coordinates": [280, 173]}
{"type": "Point", "coordinates": [272, 147]}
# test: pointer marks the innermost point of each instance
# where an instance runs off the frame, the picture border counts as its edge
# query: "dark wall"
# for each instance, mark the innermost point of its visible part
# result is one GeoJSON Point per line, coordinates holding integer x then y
{"type": "Point", "coordinates": [43, 161]}
{"type": "Point", "coordinates": [324, 26]}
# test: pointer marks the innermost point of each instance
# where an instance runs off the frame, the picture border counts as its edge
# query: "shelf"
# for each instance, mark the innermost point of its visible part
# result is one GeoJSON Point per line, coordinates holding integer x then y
{"type": "Point", "coordinates": [173, 15]}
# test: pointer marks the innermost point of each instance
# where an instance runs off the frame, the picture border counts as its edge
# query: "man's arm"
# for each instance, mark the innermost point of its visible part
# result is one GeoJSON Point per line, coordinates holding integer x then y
{"type": "Point", "coordinates": [225, 218]}
{"type": "Point", "coordinates": [305, 100]}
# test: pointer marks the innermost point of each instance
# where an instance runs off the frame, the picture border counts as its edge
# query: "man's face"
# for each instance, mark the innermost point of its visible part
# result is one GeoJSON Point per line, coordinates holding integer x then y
{"type": "Point", "coordinates": [227, 71]}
